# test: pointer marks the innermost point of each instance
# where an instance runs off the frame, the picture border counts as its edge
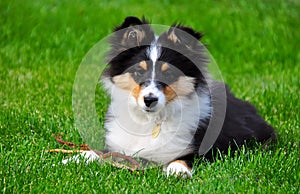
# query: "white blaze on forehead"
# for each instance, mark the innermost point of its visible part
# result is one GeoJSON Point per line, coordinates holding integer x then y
{"type": "Point", "coordinates": [154, 53]}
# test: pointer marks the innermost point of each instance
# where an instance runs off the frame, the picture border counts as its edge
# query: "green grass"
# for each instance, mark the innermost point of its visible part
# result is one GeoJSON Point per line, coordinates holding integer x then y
{"type": "Point", "coordinates": [255, 43]}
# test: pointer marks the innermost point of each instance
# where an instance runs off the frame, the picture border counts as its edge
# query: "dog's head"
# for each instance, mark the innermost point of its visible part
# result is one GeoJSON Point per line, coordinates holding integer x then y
{"type": "Point", "coordinates": [156, 70]}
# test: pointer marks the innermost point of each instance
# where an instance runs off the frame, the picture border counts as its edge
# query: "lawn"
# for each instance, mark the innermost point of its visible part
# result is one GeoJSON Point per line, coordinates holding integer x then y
{"type": "Point", "coordinates": [42, 43]}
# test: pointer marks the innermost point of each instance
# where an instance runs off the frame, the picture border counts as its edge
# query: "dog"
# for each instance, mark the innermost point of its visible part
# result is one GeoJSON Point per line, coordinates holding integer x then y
{"type": "Point", "coordinates": [162, 101]}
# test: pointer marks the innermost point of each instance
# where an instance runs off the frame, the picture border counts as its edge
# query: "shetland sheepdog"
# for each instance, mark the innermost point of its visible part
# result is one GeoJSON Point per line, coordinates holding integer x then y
{"type": "Point", "coordinates": [162, 100]}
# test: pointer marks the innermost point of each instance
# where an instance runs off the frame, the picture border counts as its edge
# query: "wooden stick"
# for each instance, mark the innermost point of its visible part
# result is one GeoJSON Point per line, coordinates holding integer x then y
{"type": "Point", "coordinates": [134, 165]}
{"type": "Point", "coordinates": [64, 151]}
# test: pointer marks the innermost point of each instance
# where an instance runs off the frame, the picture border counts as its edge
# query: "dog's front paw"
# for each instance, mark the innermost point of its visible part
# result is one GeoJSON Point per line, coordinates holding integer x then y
{"type": "Point", "coordinates": [86, 156]}
{"type": "Point", "coordinates": [179, 168]}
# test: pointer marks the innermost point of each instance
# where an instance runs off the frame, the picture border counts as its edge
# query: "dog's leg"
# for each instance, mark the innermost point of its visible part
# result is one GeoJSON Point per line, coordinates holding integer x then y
{"type": "Point", "coordinates": [179, 167]}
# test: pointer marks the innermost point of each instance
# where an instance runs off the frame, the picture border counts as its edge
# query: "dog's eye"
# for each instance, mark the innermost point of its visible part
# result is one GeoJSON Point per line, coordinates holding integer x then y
{"type": "Point", "coordinates": [168, 76]}
{"type": "Point", "coordinates": [139, 72]}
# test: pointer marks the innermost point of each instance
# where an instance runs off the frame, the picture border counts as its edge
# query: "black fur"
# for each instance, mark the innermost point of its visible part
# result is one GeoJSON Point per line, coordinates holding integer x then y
{"type": "Point", "coordinates": [242, 125]}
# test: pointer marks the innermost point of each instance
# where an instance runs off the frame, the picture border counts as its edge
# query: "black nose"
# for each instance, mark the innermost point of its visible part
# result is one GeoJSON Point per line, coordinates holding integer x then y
{"type": "Point", "coordinates": [150, 101]}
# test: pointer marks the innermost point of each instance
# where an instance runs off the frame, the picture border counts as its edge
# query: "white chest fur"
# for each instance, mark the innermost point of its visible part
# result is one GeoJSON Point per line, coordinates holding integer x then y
{"type": "Point", "coordinates": [129, 130]}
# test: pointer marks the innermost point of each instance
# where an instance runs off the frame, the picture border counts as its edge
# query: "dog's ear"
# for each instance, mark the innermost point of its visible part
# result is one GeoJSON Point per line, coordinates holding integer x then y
{"type": "Point", "coordinates": [195, 34]}
{"type": "Point", "coordinates": [184, 40]}
{"type": "Point", "coordinates": [130, 21]}
{"type": "Point", "coordinates": [178, 31]}
{"type": "Point", "coordinates": [183, 35]}
{"type": "Point", "coordinates": [131, 33]}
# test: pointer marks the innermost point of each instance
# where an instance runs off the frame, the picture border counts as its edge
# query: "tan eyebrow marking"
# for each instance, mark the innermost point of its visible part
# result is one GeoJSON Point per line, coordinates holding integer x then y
{"type": "Point", "coordinates": [143, 65]}
{"type": "Point", "coordinates": [164, 67]}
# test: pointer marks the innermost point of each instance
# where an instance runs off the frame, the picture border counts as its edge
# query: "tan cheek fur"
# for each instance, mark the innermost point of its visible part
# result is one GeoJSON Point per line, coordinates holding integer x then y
{"type": "Point", "coordinates": [126, 82]}
{"type": "Point", "coordinates": [170, 94]}
{"type": "Point", "coordinates": [183, 87]}
{"type": "Point", "coordinates": [136, 92]}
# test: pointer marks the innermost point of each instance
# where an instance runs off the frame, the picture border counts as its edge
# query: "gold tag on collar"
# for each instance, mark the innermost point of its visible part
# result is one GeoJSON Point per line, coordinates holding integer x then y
{"type": "Point", "coordinates": [156, 130]}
